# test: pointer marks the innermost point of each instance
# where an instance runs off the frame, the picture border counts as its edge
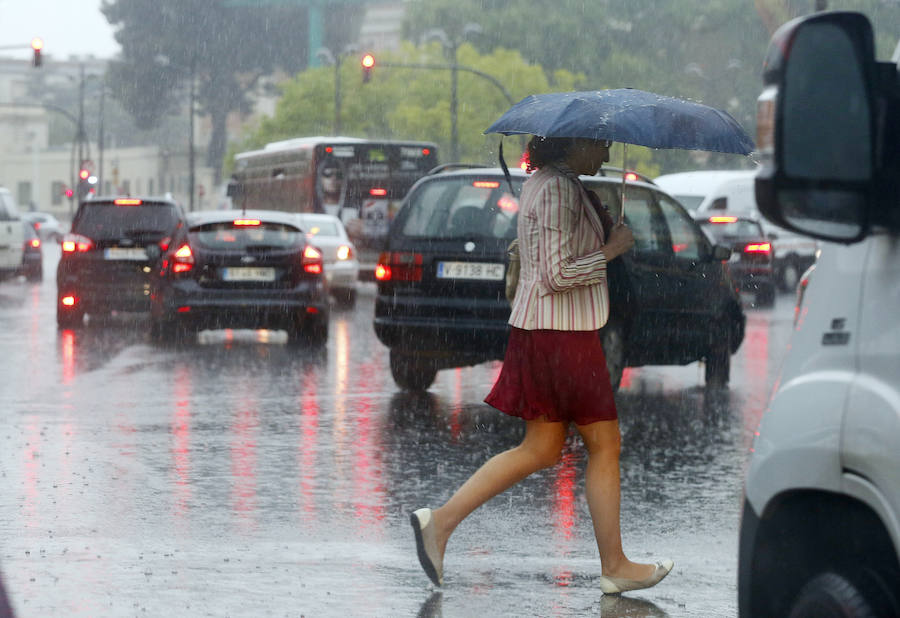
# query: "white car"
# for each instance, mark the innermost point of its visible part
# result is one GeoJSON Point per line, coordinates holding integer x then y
{"type": "Point", "coordinates": [48, 227]}
{"type": "Point", "coordinates": [327, 233]}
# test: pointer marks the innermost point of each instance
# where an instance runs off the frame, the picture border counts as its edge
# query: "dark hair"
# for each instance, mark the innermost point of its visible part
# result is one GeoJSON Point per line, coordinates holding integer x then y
{"type": "Point", "coordinates": [544, 150]}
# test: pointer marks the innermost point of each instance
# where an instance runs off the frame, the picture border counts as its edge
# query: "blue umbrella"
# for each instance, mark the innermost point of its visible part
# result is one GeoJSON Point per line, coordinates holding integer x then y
{"type": "Point", "coordinates": [627, 116]}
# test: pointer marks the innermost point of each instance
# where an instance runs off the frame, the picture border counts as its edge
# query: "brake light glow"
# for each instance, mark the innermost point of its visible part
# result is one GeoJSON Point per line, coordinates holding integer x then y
{"type": "Point", "coordinates": [426, 151]}
{"type": "Point", "coordinates": [508, 204]}
{"type": "Point", "coordinates": [485, 184]}
{"type": "Point", "coordinates": [344, 252]}
{"type": "Point", "coordinates": [68, 301]}
{"type": "Point", "coordinates": [378, 192]}
{"type": "Point", "coordinates": [312, 260]}
{"type": "Point", "coordinates": [35, 242]}
{"type": "Point", "coordinates": [75, 243]}
{"type": "Point", "coordinates": [631, 176]}
{"type": "Point", "coordinates": [164, 243]}
{"type": "Point", "coordinates": [721, 219]}
{"type": "Point", "coordinates": [399, 266]}
{"type": "Point", "coordinates": [128, 201]}
{"type": "Point", "coordinates": [182, 259]}
{"type": "Point", "coordinates": [761, 247]}
{"type": "Point", "coordinates": [247, 222]}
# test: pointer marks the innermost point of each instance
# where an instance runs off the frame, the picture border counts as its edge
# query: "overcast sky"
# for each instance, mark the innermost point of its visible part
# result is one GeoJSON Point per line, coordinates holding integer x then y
{"type": "Point", "coordinates": [68, 27]}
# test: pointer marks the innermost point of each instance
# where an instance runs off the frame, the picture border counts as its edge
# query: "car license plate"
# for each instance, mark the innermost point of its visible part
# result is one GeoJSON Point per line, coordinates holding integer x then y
{"type": "Point", "coordinates": [471, 270]}
{"type": "Point", "coordinates": [246, 273]}
{"type": "Point", "coordinates": [125, 253]}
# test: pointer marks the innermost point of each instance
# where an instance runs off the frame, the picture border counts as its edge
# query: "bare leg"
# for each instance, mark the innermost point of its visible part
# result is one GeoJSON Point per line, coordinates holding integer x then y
{"type": "Point", "coordinates": [540, 448]}
{"type": "Point", "coordinates": [603, 442]}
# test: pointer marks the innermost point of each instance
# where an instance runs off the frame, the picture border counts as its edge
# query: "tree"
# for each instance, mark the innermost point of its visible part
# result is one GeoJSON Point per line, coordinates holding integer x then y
{"type": "Point", "coordinates": [407, 103]}
{"type": "Point", "coordinates": [225, 49]}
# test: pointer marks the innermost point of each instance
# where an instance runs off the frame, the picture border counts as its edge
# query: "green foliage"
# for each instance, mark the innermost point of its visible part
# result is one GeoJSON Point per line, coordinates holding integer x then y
{"type": "Point", "coordinates": [412, 103]}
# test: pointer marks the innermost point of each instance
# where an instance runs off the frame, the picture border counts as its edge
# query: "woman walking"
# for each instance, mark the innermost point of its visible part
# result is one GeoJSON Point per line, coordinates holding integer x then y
{"type": "Point", "coordinates": [554, 372]}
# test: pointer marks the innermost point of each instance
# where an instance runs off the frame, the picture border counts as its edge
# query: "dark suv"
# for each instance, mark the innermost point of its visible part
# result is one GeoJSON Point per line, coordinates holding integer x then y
{"type": "Point", "coordinates": [109, 254]}
{"type": "Point", "coordinates": [441, 300]}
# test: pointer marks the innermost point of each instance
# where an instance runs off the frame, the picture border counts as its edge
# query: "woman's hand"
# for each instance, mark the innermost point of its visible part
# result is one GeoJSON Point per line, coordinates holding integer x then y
{"type": "Point", "coordinates": [620, 240]}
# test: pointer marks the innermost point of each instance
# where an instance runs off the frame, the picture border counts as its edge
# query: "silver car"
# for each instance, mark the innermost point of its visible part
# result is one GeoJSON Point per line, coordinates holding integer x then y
{"type": "Point", "coordinates": [327, 233]}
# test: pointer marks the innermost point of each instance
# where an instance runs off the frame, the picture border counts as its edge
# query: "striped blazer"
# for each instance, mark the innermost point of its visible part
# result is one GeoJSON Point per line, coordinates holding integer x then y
{"type": "Point", "coordinates": [562, 281]}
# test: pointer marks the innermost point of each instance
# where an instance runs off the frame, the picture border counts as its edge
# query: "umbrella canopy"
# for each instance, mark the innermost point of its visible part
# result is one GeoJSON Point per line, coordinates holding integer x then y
{"type": "Point", "coordinates": [627, 116]}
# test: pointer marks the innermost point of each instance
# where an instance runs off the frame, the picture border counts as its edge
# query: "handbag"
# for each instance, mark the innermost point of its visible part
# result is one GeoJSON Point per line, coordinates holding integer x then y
{"type": "Point", "coordinates": [512, 271]}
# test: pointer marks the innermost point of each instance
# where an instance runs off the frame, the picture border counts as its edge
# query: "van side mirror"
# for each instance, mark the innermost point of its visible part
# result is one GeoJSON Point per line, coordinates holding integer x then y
{"type": "Point", "coordinates": [816, 127]}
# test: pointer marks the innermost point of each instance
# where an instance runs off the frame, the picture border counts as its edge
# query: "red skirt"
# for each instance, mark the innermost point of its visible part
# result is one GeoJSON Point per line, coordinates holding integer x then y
{"type": "Point", "coordinates": [556, 375]}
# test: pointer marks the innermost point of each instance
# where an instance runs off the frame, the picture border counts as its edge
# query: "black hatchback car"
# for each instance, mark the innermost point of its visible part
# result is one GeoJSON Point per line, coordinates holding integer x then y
{"type": "Point", "coordinates": [108, 255]}
{"type": "Point", "coordinates": [241, 269]}
{"type": "Point", "coordinates": [752, 262]}
{"type": "Point", "coordinates": [441, 280]}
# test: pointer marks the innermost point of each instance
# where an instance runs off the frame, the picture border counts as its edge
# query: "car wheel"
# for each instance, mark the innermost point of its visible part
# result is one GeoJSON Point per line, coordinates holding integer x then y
{"type": "Point", "coordinates": [718, 360]}
{"type": "Point", "coordinates": [830, 595]}
{"type": "Point", "coordinates": [68, 317]}
{"type": "Point", "coordinates": [346, 298]}
{"type": "Point", "coordinates": [790, 275]}
{"type": "Point", "coordinates": [412, 372]}
{"type": "Point", "coordinates": [613, 337]}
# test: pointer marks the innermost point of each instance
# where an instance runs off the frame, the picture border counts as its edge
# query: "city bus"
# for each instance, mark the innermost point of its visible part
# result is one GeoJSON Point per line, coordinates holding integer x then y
{"type": "Point", "coordinates": [361, 181]}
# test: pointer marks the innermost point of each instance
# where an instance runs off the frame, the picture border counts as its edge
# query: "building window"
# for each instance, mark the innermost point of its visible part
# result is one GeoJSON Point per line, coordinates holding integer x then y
{"type": "Point", "coordinates": [23, 194]}
{"type": "Point", "coordinates": [57, 189]}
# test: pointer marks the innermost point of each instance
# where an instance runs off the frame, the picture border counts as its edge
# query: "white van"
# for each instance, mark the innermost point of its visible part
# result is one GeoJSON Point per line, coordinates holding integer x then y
{"type": "Point", "coordinates": [820, 531]}
{"type": "Point", "coordinates": [710, 192]}
{"type": "Point", "coordinates": [12, 236]}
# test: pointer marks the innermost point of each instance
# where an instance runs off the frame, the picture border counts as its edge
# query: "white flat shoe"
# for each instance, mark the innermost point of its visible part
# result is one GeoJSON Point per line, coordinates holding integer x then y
{"type": "Point", "coordinates": [426, 545]}
{"type": "Point", "coordinates": [617, 585]}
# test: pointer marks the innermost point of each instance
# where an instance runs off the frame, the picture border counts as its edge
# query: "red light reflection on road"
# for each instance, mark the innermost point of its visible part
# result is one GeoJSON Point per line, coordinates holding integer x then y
{"type": "Point", "coordinates": [757, 370]}
{"type": "Point", "coordinates": [564, 498]}
{"type": "Point", "coordinates": [31, 455]}
{"type": "Point", "coordinates": [181, 442]}
{"type": "Point", "coordinates": [368, 484]}
{"type": "Point", "coordinates": [243, 458]}
{"type": "Point", "coordinates": [456, 406]}
{"type": "Point", "coordinates": [67, 341]}
{"type": "Point", "coordinates": [308, 445]}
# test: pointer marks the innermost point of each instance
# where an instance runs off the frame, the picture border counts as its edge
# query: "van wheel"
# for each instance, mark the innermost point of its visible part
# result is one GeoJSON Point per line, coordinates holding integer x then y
{"type": "Point", "coordinates": [830, 595]}
{"type": "Point", "coordinates": [613, 337]}
{"type": "Point", "coordinates": [412, 372]}
{"type": "Point", "coordinates": [718, 361]}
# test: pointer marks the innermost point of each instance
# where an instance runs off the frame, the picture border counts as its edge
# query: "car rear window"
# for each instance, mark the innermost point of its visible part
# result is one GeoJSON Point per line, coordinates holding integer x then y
{"type": "Point", "coordinates": [462, 207]}
{"type": "Point", "coordinates": [110, 221]}
{"type": "Point", "coordinates": [228, 235]}
{"type": "Point", "coordinates": [321, 228]}
{"type": "Point", "coordinates": [733, 229]}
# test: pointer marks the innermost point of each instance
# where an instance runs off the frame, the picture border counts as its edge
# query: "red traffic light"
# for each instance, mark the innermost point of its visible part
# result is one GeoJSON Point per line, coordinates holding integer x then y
{"type": "Point", "coordinates": [368, 61]}
{"type": "Point", "coordinates": [37, 44]}
{"type": "Point", "coordinates": [84, 174]}
{"type": "Point", "coordinates": [69, 192]}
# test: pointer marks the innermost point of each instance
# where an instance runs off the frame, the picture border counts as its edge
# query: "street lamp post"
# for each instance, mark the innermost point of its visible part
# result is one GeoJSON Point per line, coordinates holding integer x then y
{"type": "Point", "coordinates": [451, 45]}
{"type": "Point", "coordinates": [329, 57]}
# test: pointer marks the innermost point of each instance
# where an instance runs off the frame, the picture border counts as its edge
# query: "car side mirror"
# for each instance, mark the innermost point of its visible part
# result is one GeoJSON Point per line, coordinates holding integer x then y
{"type": "Point", "coordinates": [721, 253]}
{"type": "Point", "coordinates": [816, 127]}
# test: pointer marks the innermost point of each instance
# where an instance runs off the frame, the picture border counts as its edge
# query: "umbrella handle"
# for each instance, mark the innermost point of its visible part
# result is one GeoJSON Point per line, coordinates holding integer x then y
{"type": "Point", "coordinates": [624, 174]}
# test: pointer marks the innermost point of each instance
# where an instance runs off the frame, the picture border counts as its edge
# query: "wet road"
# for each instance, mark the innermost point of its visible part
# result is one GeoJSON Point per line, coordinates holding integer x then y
{"type": "Point", "coordinates": [238, 477]}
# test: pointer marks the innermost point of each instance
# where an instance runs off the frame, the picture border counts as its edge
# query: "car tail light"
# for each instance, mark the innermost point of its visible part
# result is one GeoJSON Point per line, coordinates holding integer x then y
{"type": "Point", "coordinates": [312, 260]}
{"type": "Point", "coordinates": [76, 243]}
{"type": "Point", "coordinates": [128, 201]}
{"type": "Point", "coordinates": [344, 253]}
{"type": "Point", "coordinates": [183, 259]}
{"type": "Point", "coordinates": [378, 192]}
{"type": "Point", "coordinates": [723, 219]}
{"type": "Point", "coordinates": [631, 177]}
{"type": "Point", "coordinates": [68, 301]}
{"type": "Point", "coordinates": [399, 266]}
{"type": "Point", "coordinates": [35, 243]}
{"type": "Point", "coordinates": [758, 247]}
{"type": "Point", "coordinates": [486, 184]}
{"type": "Point", "coordinates": [164, 243]}
{"type": "Point", "coordinates": [247, 222]}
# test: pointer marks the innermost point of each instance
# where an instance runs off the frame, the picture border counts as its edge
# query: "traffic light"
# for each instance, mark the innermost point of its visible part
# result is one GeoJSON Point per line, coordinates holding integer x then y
{"type": "Point", "coordinates": [37, 44]}
{"type": "Point", "coordinates": [368, 61]}
{"type": "Point", "coordinates": [86, 183]}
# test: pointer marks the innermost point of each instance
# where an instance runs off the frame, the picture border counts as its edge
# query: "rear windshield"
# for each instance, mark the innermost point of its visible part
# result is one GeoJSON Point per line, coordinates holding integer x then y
{"type": "Point", "coordinates": [691, 202]}
{"type": "Point", "coordinates": [109, 221]}
{"type": "Point", "coordinates": [321, 228]}
{"type": "Point", "coordinates": [737, 229]}
{"type": "Point", "coordinates": [229, 236]}
{"type": "Point", "coordinates": [463, 207]}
